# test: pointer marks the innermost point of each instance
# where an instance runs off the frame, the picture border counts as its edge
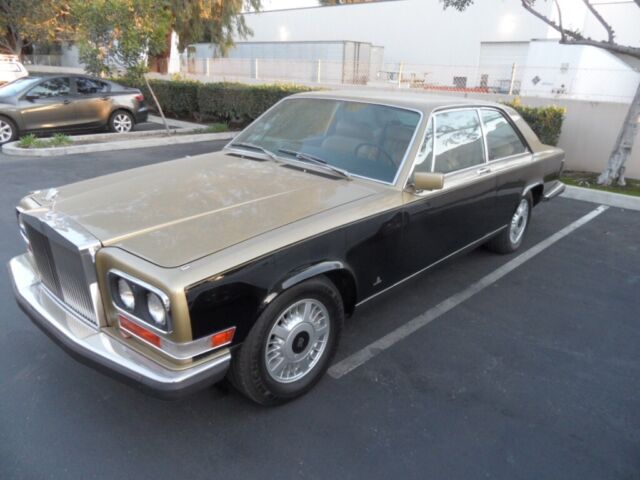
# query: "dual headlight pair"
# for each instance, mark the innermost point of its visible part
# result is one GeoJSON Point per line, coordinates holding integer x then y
{"type": "Point", "coordinates": [143, 301]}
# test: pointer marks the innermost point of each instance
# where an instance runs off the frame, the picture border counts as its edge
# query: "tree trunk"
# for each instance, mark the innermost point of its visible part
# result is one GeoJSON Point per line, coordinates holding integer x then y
{"type": "Point", "coordinates": [614, 173]}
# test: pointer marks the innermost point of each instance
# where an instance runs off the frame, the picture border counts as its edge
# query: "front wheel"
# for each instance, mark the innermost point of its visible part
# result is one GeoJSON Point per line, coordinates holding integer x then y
{"type": "Point", "coordinates": [289, 348]}
{"type": "Point", "coordinates": [121, 122]}
{"type": "Point", "coordinates": [8, 130]}
{"type": "Point", "coordinates": [510, 239]}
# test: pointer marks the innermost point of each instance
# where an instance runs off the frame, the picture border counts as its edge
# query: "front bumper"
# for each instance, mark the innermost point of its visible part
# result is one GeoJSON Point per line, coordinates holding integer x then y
{"type": "Point", "coordinates": [102, 351]}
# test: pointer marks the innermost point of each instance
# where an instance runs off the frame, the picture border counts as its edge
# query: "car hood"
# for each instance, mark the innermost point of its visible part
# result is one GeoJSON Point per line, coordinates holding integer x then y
{"type": "Point", "coordinates": [175, 212]}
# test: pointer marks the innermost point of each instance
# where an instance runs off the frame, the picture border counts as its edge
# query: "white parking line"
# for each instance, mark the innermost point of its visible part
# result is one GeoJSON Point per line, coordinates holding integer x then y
{"type": "Point", "coordinates": [357, 359]}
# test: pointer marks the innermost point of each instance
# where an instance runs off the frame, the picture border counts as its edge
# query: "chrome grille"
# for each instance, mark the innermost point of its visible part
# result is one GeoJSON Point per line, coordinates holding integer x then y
{"type": "Point", "coordinates": [62, 272]}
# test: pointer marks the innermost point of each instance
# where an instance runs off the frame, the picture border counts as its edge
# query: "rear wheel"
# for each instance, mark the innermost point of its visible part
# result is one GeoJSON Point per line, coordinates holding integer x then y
{"type": "Point", "coordinates": [8, 130]}
{"type": "Point", "coordinates": [290, 346]}
{"type": "Point", "coordinates": [121, 122]}
{"type": "Point", "coordinates": [510, 239]}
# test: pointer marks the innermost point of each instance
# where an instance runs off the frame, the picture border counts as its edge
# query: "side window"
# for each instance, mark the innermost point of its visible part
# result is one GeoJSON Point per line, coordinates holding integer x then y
{"type": "Point", "coordinates": [425, 155]}
{"type": "Point", "coordinates": [502, 140]}
{"type": "Point", "coordinates": [88, 86]}
{"type": "Point", "coordinates": [56, 87]}
{"type": "Point", "coordinates": [458, 141]}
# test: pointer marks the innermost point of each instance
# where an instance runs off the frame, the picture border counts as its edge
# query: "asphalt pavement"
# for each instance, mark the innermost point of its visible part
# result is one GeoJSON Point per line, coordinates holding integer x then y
{"type": "Point", "coordinates": [535, 376]}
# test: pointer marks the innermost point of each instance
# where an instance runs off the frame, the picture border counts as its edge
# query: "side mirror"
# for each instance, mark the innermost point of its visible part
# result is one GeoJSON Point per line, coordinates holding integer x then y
{"type": "Point", "coordinates": [428, 181]}
{"type": "Point", "coordinates": [31, 97]}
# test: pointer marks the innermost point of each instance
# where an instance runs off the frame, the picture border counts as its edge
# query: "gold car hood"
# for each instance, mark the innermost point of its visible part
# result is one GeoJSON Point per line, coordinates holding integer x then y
{"type": "Point", "coordinates": [175, 212]}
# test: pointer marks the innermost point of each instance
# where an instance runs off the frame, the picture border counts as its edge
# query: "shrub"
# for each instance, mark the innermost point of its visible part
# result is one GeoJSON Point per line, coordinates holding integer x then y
{"type": "Point", "coordinates": [238, 103]}
{"type": "Point", "coordinates": [546, 122]}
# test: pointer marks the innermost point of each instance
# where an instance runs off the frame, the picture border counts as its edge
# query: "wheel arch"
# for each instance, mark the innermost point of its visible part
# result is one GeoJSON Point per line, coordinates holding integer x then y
{"type": "Point", "coordinates": [338, 272]}
{"type": "Point", "coordinates": [124, 109]}
{"type": "Point", "coordinates": [537, 191]}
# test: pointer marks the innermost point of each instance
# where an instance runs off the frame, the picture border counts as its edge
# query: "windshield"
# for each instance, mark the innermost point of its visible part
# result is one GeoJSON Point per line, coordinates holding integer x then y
{"type": "Point", "coordinates": [17, 86]}
{"type": "Point", "coordinates": [362, 139]}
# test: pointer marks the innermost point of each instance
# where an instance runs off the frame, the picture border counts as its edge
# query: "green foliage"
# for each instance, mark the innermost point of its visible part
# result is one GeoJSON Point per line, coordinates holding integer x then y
{"type": "Point", "coordinates": [119, 34]}
{"type": "Point", "coordinates": [25, 22]}
{"type": "Point", "coordinates": [58, 140]}
{"type": "Point", "coordinates": [218, 102]}
{"type": "Point", "coordinates": [239, 103]}
{"type": "Point", "coordinates": [30, 141]}
{"type": "Point", "coordinates": [214, 21]}
{"type": "Point", "coordinates": [546, 122]}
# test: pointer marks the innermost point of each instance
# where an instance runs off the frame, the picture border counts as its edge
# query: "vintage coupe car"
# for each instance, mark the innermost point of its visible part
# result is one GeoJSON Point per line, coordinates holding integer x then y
{"type": "Point", "coordinates": [67, 103]}
{"type": "Point", "coordinates": [245, 262]}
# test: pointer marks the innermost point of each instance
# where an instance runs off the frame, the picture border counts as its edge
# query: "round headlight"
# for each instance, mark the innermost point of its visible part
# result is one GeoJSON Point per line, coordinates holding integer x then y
{"type": "Point", "coordinates": [156, 309]}
{"type": "Point", "coordinates": [126, 294]}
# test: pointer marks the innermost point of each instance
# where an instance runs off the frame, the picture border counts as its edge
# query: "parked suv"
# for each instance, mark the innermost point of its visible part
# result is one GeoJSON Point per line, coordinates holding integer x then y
{"type": "Point", "coordinates": [47, 104]}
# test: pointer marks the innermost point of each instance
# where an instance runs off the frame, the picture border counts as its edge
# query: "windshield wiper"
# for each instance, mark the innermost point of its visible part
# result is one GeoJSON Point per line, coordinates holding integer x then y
{"type": "Point", "coordinates": [253, 146]}
{"type": "Point", "coordinates": [306, 157]}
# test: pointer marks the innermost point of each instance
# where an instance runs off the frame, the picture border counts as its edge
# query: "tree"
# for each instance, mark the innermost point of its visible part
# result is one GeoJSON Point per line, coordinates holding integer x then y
{"type": "Point", "coordinates": [614, 171]}
{"type": "Point", "coordinates": [119, 34]}
{"type": "Point", "coordinates": [24, 22]}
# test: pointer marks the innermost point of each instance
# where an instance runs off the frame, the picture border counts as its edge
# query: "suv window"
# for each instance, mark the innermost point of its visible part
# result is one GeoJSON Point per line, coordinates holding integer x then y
{"type": "Point", "coordinates": [56, 87]}
{"type": "Point", "coordinates": [502, 140]}
{"type": "Point", "coordinates": [88, 86]}
{"type": "Point", "coordinates": [458, 141]}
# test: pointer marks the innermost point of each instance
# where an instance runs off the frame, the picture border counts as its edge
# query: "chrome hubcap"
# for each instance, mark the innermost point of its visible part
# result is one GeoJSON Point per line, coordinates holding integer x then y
{"type": "Point", "coordinates": [122, 123]}
{"type": "Point", "coordinates": [6, 132]}
{"type": "Point", "coordinates": [519, 221]}
{"type": "Point", "coordinates": [297, 340]}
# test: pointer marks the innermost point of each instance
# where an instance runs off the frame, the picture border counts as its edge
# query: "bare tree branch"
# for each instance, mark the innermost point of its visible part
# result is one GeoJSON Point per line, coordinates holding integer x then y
{"type": "Point", "coordinates": [611, 34]}
{"type": "Point", "coordinates": [611, 47]}
{"type": "Point", "coordinates": [528, 6]}
{"type": "Point", "coordinates": [563, 36]}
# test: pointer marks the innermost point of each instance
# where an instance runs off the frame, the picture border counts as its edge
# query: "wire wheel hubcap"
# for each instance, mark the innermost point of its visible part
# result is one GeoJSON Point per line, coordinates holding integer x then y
{"type": "Point", "coordinates": [122, 123]}
{"type": "Point", "coordinates": [519, 221]}
{"type": "Point", "coordinates": [297, 340]}
{"type": "Point", "coordinates": [6, 132]}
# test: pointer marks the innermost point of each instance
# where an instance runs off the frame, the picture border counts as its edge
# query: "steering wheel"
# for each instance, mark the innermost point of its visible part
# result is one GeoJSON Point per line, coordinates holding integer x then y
{"type": "Point", "coordinates": [385, 157]}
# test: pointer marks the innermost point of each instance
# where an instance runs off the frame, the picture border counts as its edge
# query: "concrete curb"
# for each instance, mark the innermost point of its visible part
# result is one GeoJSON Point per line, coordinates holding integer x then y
{"type": "Point", "coordinates": [13, 149]}
{"type": "Point", "coordinates": [619, 200]}
{"type": "Point", "coordinates": [172, 122]}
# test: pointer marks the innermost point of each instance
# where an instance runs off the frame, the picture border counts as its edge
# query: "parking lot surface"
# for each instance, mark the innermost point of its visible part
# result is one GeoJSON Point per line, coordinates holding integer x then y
{"type": "Point", "coordinates": [533, 377]}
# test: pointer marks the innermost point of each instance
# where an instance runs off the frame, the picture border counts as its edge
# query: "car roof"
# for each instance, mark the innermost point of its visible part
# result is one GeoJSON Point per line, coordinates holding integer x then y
{"type": "Point", "coordinates": [423, 102]}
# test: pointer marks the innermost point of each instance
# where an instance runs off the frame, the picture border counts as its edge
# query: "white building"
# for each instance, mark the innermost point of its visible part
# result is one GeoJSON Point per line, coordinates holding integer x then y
{"type": "Point", "coordinates": [473, 49]}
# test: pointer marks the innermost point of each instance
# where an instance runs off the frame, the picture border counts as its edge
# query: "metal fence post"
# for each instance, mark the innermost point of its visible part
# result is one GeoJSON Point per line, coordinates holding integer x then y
{"type": "Point", "coordinates": [513, 78]}
{"type": "Point", "coordinates": [319, 70]}
{"type": "Point", "coordinates": [208, 67]}
{"type": "Point", "coordinates": [400, 74]}
{"type": "Point", "coordinates": [256, 76]}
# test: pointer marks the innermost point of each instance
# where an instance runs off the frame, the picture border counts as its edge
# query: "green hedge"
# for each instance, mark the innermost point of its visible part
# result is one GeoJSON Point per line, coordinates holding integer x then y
{"type": "Point", "coordinates": [220, 102]}
{"type": "Point", "coordinates": [546, 122]}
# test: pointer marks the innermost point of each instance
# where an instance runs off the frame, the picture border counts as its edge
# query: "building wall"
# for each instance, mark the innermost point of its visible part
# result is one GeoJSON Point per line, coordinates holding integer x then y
{"type": "Point", "coordinates": [411, 31]}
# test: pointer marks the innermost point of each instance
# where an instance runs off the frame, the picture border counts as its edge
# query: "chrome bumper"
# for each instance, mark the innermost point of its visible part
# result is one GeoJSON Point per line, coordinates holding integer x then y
{"type": "Point", "coordinates": [557, 189]}
{"type": "Point", "coordinates": [102, 351]}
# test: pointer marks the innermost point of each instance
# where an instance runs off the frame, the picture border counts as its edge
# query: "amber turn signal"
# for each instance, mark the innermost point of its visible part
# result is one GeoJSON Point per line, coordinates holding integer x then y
{"type": "Point", "coordinates": [223, 338]}
{"type": "Point", "coordinates": [135, 329]}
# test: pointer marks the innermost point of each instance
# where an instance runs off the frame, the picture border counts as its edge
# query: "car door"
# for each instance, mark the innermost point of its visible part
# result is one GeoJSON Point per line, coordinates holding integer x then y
{"type": "Point", "coordinates": [442, 222]}
{"type": "Point", "coordinates": [93, 102]}
{"type": "Point", "coordinates": [48, 105]}
{"type": "Point", "coordinates": [509, 157]}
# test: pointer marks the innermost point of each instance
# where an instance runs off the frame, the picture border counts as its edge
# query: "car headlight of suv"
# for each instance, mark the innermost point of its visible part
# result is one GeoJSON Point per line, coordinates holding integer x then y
{"type": "Point", "coordinates": [140, 301]}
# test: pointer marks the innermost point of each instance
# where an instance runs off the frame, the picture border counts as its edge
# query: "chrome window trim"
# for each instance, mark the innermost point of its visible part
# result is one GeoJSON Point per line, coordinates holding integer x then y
{"type": "Point", "coordinates": [513, 127]}
{"type": "Point", "coordinates": [229, 146]}
{"type": "Point", "coordinates": [163, 296]}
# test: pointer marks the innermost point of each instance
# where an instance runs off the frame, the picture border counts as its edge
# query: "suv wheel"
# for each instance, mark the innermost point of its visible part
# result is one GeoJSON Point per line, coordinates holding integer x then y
{"type": "Point", "coordinates": [289, 348]}
{"type": "Point", "coordinates": [121, 122]}
{"type": "Point", "coordinates": [8, 130]}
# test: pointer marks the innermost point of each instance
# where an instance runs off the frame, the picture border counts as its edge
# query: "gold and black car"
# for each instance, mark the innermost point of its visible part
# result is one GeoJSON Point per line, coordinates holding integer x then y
{"type": "Point", "coordinates": [67, 103]}
{"type": "Point", "coordinates": [246, 262]}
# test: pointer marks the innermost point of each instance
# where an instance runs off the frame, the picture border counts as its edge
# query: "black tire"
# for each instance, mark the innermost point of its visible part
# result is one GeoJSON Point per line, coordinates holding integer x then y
{"type": "Point", "coordinates": [7, 123]}
{"type": "Point", "coordinates": [119, 120]}
{"type": "Point", "coordinates": [503, 243]}
{"type": "Point", "coordinates": [248, 372]}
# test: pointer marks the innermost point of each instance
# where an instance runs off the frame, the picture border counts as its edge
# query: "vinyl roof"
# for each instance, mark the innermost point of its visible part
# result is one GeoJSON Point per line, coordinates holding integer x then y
{"type": "Point", "coordinates": [425, 102]}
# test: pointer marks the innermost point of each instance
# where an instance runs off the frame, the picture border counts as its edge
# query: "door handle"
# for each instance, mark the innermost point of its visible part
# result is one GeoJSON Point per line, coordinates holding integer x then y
{"type": "Point", "coordinates": [105, 98]}
{"type": "Point", "coordinates": [484, 170]}
{"type": "Point", "coordinates": [67, 102]}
